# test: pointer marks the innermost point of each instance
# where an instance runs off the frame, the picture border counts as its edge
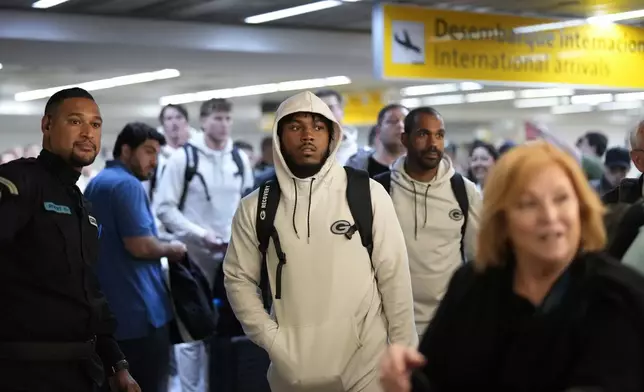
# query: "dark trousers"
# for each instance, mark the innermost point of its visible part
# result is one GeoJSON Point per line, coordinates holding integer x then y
{"type": "Point", "coordinates": [149, 359]}
{"type": "Point", "coordinates": [45, 377]}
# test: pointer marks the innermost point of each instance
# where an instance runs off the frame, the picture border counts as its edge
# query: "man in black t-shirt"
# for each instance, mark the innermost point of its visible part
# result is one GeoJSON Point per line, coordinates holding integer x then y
{"type": "Point", "coordinates": [388, 147]}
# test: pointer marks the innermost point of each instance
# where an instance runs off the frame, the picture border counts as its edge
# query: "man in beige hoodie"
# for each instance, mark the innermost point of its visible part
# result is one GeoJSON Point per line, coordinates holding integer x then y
{"type": "Point", "coordinates": [338, 308]}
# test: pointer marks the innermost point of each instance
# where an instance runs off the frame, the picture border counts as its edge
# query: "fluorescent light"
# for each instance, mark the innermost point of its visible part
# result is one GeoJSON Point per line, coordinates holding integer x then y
{"type": "Point", "coordinates": [596, 20]}
{"type": "Point", "coordinates": [428, 89]}
{"type": "Point", "coordinates": [259, 89]}
{"type": "Point", "coordinates": [47, 3]}
{"type": "Point", "coordinates": [549, 26]}
{"type": "Point", "coordinates": [100, 84]}
{"type": "Point", "coordinates": [546, 92]}
{"type": "Point", "coordinates": [0, 65]}
{"type": "Point", "coordinates": [601, 19]}
{"type": "Point", "coordinates": [455, 99]}
{"type": "Point", "coordinates": [471, 86]}
{"type": "Point", "coordinates": [569, 109]}
{"type": "Point", "coordinates": [536, 102]}
{"type": "Point", "coordinates": [619, 105]}
{"type": "Point", "coordinates": [293, 11]}
{"type": "Point", "coordinates": [591, 99]}
{"type": "Point", "coordinates": [490, 96]}
{"type": "Point", "coordinates": [625, 97]}
{"type": "Point", "coordinates": [411, 103]}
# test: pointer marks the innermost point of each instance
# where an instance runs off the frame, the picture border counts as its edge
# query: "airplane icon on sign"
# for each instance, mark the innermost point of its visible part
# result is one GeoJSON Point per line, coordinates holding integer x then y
{"type": "Point", "coordinates": [406, 42]}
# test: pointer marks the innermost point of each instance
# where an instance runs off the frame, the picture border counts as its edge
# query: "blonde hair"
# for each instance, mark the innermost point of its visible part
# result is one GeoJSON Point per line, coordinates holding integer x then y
{"type": "Point", "coordinates": [507, 181]}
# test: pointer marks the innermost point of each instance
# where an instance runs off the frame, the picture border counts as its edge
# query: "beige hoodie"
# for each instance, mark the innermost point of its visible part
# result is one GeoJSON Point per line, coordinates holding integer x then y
{"type": "Point", "coordinates": [330, 326]}
{"type": "Point", "coordinates": [432, 229]}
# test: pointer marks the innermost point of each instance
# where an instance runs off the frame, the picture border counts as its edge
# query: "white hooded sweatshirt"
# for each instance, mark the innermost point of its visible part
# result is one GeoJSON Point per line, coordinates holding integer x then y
{"type": "Point", "coordinates": [432, 228]}
{"type": "Point", "coordinates": [329, 328]}
{"type": "Point", "coordinates": [200, 215]}
{"type": "Point", "coordinates": [348, 146]}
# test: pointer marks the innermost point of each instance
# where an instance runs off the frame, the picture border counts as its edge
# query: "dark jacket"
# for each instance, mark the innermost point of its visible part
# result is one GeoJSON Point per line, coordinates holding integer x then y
{"type": "Point", "coordinates": [48, 291]}
{"type": "Point", "coordinates": [629, 191]}
{"type": "Point", "coordinates": [587, 333]}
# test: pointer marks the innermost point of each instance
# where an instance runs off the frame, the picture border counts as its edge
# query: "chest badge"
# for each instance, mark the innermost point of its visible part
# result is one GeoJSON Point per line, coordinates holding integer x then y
{"type": "Point", "coordinates": [456, 214]}
{"type": "Point", "coordinates": [49, 206]}
{"type": "Point", "coordinates": [340, 227]}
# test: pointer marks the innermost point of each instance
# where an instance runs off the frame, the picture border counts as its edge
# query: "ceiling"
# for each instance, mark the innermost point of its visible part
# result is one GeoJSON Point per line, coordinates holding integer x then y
{"type": "Point", "coordinates": [208, 42]}
{"type": "Point", "coordinates": [355, 15]}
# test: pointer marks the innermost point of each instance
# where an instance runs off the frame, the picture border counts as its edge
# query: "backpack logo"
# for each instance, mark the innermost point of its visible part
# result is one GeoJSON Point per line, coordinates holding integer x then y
{"type": "Point", "coordinates": [262, 211]}
{"type": "Point", "coordinates": [340, 227]}
{"type": "Point", "coordinates": [456, 214]}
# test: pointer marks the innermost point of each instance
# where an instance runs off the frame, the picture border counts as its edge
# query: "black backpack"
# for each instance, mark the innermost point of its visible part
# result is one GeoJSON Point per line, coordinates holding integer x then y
{"type": "Point", "coordinates": [460, 192]}
{"type": "Point", "coordinates": [359, 199]}
{"type": "Point", "coordinates": [192, 162]}
{"type": "Point", "coordinates": [622, 222]}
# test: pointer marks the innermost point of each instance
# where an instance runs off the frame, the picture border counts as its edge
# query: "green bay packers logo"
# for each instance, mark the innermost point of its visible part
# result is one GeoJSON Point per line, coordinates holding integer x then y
{"type": "Point", "coordinates": [456, 214]}
{"type": "Point", "coordinates": [340, 227]}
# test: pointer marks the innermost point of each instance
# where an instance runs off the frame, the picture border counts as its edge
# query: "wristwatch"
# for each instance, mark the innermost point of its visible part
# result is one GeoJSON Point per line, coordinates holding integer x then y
{"type": "Point", "coordinates": [119, 366]}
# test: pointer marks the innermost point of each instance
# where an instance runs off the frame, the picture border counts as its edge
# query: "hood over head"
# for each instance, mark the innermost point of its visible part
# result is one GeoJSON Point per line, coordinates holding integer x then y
{"type": "Point", "coordinates": [303, 102]}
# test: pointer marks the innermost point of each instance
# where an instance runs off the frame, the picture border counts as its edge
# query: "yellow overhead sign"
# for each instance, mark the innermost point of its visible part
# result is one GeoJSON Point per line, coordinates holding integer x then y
{"type": "Point", "coordinates": [416, 43]}
{"type": "Point", "coordinates": [361, 108]}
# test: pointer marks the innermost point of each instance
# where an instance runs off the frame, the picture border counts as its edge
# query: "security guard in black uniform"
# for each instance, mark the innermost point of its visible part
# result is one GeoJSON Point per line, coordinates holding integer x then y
{"type": "Point", "coordinates": [56, 328]}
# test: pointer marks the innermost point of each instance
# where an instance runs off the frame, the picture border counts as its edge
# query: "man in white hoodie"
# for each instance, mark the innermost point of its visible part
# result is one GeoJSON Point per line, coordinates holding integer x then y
{"type": "Point", "coordinates": [336, 308]}
{"type": "Point", "coordinates": [349, 143]}
{"type": "Point", "coordinates": [202, 216]}
{"type": "Point", "coordinates": [425, 191]}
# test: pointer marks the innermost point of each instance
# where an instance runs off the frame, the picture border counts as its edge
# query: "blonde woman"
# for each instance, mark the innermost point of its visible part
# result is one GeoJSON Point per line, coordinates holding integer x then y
{"type": "Point", "coordinates": [540, 309]}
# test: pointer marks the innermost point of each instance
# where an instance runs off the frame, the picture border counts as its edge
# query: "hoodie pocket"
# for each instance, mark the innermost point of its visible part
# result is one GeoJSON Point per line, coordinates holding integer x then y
{"type": "Point", "coordinates": [316, 356]}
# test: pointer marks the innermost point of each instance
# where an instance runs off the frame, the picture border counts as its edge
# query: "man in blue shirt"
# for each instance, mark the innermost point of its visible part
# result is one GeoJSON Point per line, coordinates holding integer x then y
{"type": "Point", "coordinates": [129, 267]}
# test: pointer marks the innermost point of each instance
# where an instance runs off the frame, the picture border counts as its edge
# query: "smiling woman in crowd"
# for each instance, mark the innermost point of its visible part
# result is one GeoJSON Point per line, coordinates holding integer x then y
{"type": "Point", "coordinates": [541, 309]}
{"type": "Point", "coordinates": [482, 158]}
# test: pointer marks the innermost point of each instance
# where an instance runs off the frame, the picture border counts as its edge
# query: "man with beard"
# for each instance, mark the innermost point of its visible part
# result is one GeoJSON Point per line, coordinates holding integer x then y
{"type": "Point", "coordinates": [335, 308]}
{"type": "Point", "coordinates": [438, 210]}
{"type": "Point", "coordinates": [57, 332]}
{"type": "Point", "coordinates": [129, 265]}
{"type": "Point", "coordinates": [389, 127]}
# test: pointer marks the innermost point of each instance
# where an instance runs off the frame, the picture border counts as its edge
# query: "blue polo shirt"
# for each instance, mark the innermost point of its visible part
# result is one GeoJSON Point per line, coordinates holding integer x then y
{"type": "Point", "coordinates": [135, 288]}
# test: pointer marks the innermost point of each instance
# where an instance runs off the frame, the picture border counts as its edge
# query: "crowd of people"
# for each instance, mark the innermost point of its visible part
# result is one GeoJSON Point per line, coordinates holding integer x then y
{"type": "Point", "coordinates": [394, 267]}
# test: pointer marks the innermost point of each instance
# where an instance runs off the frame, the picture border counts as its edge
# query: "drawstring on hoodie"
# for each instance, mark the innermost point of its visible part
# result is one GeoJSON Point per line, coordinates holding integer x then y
{"type": "Point", "coordinates": [426, 193]}
{"type": "Point", "coordinates": [295, 210]}
{"type": "Point", "coordinates": [416, 209]}
{"type": "Point", "coordinates": [308, 213]}
{"type": "Point", "coordinates": [415, 213]}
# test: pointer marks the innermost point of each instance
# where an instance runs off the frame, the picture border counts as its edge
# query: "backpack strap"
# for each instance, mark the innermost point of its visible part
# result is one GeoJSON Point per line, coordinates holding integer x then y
{"type": "Point", "coordinates": [192, 162]}
{"type": "Point", "coordinates": [239, 162]}
{"type": "Point", "coordinates": [153, 184]}
{"type": "Point", "coordinates": [154, 180]}
{"type": "Point", "coordinates": [267, 202]}
{"type": "Point", "coordinates": [460, 192]}
{"type": "Point", "coordinates": [385, 180]}
{"type": "Point", "coordinates": [359, 200]}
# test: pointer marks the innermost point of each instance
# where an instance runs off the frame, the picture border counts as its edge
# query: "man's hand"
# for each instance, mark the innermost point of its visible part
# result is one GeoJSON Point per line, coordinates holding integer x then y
{"type": "Point", "coordinates": [176, 252]}
{"type": "Point", "coordinates": [123, 382]}
{"type": "Point", "coordinates": [212, 241]}
{"type": "Point", "coordinates": [396, 366]}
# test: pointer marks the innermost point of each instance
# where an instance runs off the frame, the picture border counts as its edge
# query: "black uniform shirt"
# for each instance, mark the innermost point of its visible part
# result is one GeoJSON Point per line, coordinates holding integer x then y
{"type": "Point", "coordinates": [48, 245]}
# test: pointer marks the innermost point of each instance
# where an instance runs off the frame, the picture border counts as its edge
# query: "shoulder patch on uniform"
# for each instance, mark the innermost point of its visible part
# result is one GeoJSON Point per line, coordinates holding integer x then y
{"type": "Point", "coordinates": [13, 189]}
{"type": "Point", "coordinates": [49, 206]}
